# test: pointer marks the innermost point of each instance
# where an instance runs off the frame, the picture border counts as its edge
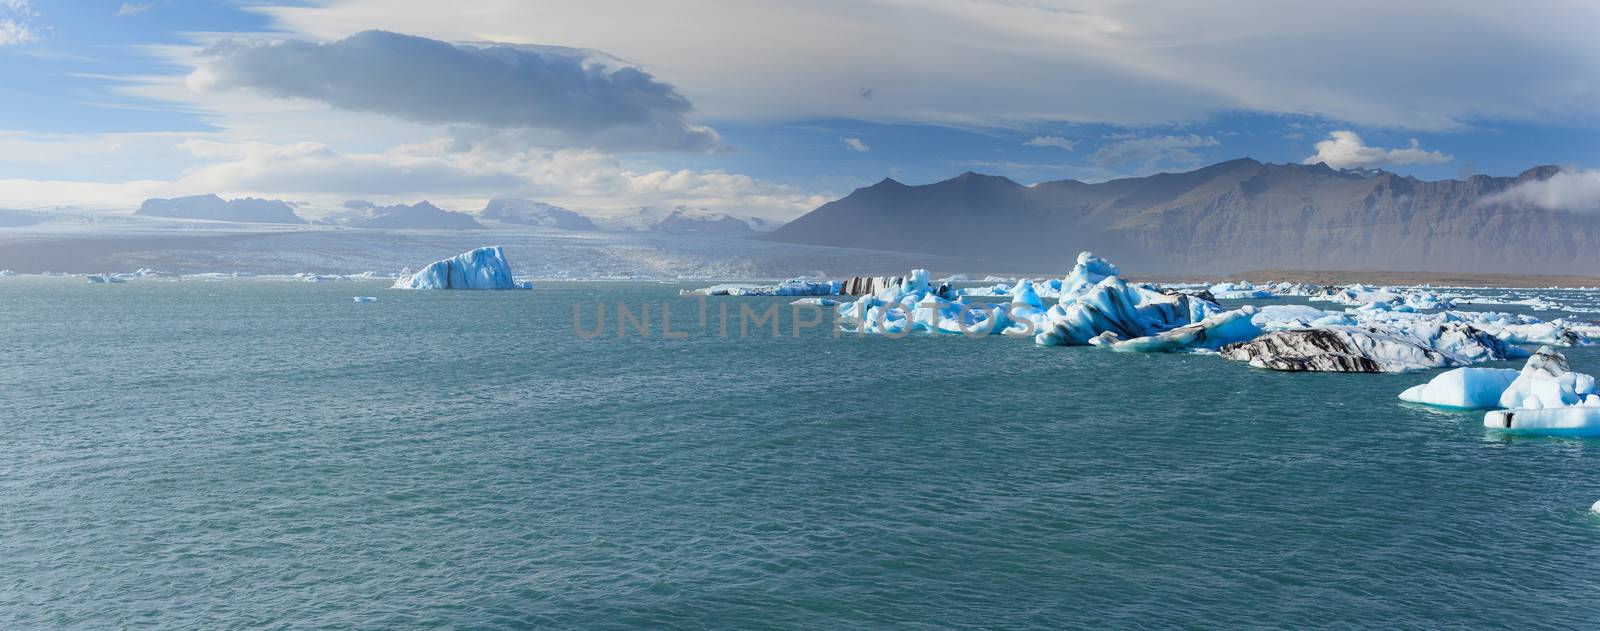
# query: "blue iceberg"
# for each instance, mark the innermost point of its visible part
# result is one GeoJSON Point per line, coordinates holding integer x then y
{"type": "Point", "coordinates": [483, 268]}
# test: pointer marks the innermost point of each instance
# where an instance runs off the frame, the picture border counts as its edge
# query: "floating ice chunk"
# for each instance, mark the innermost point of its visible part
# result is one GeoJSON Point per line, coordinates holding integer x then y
{"type": "Point", "coordinates": [1112, 305]}
{"type": "Point", "coordinates": [1463, 388]}
{"type": "Point", "coordinates": [1596, 508]}
{"type": "Point", "coordinates": [483, 268]}
{"type": "Point", "coordinates": [1278, 317]}
{"type": "Point", "coordinates": [6, 272]}
{"type": "Point", "coordinates": [1581, 420]}
{"type": "Point", "coordinates": [1547, 382]}
{"type": "Point", "coordinates": [103, 279]}
{"type": "Point", "coordinates": [1367, 349]}
{"type": "Point", "coordinates": [791, 287]}
{"type": "Point", "coordinates": [1239, 291]}
{"type": "Point", "coordinates": [1089, 271]}
{"type": "Point", "coordinates": [818, 302]}
{"type": "Point", "coordinates": [1023, 293]}
{"type": "Point", "coordinates": [1212, 332]}
{"type": "Point", "coordinates": [366, 298]}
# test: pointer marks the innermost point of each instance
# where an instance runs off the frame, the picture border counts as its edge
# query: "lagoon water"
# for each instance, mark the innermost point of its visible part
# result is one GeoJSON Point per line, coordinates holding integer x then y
{"type": "Point", "coordinates": [269, 454]}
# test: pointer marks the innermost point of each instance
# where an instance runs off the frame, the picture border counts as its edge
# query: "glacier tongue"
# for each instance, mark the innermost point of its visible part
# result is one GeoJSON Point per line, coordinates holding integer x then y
{"type": "Point", "coordinates": [482, 268]}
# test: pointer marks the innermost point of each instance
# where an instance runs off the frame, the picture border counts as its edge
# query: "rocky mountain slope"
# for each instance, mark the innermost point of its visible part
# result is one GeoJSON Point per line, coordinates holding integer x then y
{"type": "Point", "coordinates": [1232, 216]}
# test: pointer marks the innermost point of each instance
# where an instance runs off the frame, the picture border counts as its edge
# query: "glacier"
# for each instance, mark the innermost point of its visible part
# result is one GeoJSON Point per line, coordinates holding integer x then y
{"type": "Point", "coordinates": [481, 268]}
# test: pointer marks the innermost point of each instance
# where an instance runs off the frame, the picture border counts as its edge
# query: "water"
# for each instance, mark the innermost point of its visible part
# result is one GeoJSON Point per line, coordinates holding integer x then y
{"type": "Point", "coordinates": [244, 454]}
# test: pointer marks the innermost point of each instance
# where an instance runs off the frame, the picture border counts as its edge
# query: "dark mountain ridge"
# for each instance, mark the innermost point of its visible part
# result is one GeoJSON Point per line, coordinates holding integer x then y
{"type": "Point", "coordinates": [1231, 216]}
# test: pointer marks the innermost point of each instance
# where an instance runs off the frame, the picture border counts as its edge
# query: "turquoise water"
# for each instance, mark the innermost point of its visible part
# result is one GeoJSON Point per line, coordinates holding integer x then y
{"type": "Point", "coordinates": [270, 454]}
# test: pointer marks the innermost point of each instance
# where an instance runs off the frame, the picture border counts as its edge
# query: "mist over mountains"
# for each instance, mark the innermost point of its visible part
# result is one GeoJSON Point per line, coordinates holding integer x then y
{"type": "Point", "coordinates": [1229, 217]}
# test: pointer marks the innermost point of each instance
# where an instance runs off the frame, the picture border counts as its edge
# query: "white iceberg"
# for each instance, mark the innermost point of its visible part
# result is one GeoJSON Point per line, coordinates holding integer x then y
{"type": "Point", "coordinates": [816, 302]}
{"type": "Point", "coordinates": [1240, 291]}
{"type": "Point", "coordinates": [1578, 420]}
{"type": "Point", "coordinates": [483, 268]}
{"type": "Point", "coordinates": [791, 287]}
{"type": "Point", "coordinates": [1463, 389]}
{"type": "Point", "coordinates": [1547, 382]}
{"type": "Point", "coordinates": [366, 298]}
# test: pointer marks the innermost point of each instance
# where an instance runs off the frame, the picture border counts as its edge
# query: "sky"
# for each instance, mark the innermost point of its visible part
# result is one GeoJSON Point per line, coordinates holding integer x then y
{"type": "Point", "coordinates": [766, 109]}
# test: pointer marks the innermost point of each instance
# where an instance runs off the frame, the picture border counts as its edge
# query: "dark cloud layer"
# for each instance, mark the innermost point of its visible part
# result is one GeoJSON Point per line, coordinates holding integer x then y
{"type": "Point", "coordinates": [500, 86]}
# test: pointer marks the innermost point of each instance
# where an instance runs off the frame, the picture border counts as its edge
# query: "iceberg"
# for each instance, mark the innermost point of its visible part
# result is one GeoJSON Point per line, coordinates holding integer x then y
{"type": "Point", "coordinates": [366, 298]}
{"type": "Point", "coordinates": [1578, 420]}
{"type": "Point", "coordinates": [1213, 332]}
{"type": "Point", "coordinates": [6, 272]}
{"type": "Point", "coordinates": [1240, 291]}
{"type": "Point", "coordinates": [1367, 349]}
{"type": "Point", "coordinates": [1463, 389]}
{"type": "Point", "coordinates": [1095, 300]}
{"type": "Point", "coordinates": [1547, 382]}
{"type": "Point", "coordinates": [791, 287]}
{"type": "Point", "coordinates": [816, 302]}
{"type": "Point", "coordinates": [482, 268]}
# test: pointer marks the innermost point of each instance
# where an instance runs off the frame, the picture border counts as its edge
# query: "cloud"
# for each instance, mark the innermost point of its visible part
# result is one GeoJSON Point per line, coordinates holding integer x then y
{"type": "Point", "coordinates": [1051, 141]}
{"type": "Point", "coordinates": [856, 145]}
{"type": "Point", "coordinates": [448, 170]}
{"type": "Point", "coordinates": [1086, 60]}
{"type": "Point", "coordinates": [129, 8]}
{"type": "Point", "coordinates": [1344, 149]}
{"type": "Point", "coordinates": [14, 26]}
{"type": "Point", "coordinates": [1567, 190]}
{"type": "Point", "coordinates": [1151, 151]}
{"type": "Point", "coordinates": [588, 98]}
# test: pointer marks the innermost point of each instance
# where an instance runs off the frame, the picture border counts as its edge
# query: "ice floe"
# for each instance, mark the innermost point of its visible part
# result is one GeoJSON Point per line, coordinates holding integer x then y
{"type": "Point", "coordinates": [482, 268]}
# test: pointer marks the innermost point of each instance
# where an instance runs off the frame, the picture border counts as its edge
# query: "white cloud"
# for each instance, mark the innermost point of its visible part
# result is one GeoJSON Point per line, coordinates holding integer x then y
{"type": "Point", "coordinates": [1568, 190]}
{"type": "Point", "coordinates": [14, 27]}
{"type": "Point", "coordinates": [13, 32]}
{"type": "Point", "coordinates": [1153, 151]}
{"type": "Point", "coordinates": [1051, 141]}
{"type": "Point", "coordinates": [1345, 149]}
{"type": "Point", "coordinates": [856, 145]}
{"type": "Point", "coordinates": [590, 99]}
{"type": "Point", "coordinates": [1084, 60]}
{"type": "Point", "coordinates": [129, 8]}
{"type": "Point", "coordinates": [450, 171]}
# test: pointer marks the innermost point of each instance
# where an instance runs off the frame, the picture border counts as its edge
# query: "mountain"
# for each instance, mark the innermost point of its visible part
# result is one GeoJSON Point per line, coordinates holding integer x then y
{"type": "Point", "coordinates": [717, 224]}
{"type": "Point", "coordinates": [246, 209]}
{"type": "Point", "coordinates": [419, 216]}
{"type": "Point", "coordinates": [1227, 217]}
{"type": "Point", "coordinates": [532, 213]}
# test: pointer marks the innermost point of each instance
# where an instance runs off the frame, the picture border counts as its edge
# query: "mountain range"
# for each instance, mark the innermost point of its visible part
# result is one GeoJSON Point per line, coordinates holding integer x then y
{"type": "Point", "coordinates": [1228, 217]}
{"type": "Point", "coordinates": [211, 207]}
